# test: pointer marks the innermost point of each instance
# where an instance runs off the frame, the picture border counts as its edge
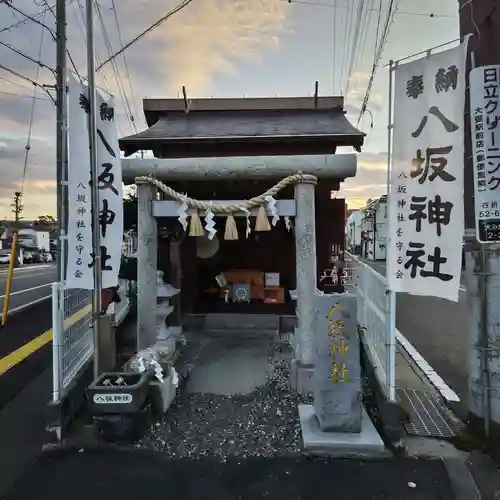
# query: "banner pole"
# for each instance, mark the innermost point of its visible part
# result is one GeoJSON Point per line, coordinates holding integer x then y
{"type": "Point", "coordinates": [391, 299]}
{"type": "Point", "coordinates": [94, 177]}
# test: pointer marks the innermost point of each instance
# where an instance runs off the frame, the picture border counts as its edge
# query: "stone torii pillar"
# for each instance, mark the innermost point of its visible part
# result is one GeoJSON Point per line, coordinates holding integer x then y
{"type": "Point", "coordinates": [147, 264]}
{"type": "Point", "coordinates": [305, 254]}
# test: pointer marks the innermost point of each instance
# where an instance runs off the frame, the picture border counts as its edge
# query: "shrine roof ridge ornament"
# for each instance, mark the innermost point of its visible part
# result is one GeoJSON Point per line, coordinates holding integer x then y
{"type": "Point", "coordinates": [331, 166]}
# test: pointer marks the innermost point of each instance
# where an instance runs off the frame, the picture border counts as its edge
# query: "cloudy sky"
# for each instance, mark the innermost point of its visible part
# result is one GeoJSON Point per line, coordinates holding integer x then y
{"type": "Point", "coordinates": [217, 48]}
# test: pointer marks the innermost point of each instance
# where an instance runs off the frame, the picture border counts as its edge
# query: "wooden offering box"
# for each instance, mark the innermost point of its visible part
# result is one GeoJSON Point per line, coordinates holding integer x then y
{"type": "Point", "coordinates": [274, 295]}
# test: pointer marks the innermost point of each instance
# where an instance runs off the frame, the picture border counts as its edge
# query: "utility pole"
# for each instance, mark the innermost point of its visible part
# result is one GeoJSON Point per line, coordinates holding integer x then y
{"type": "Point", "coordinates": [94, 193]}
{"type": "Point", "coordinates": [17, 206]}
{"type": "Point", "coordinates": [481, 19]}
{"type": "Point", "coordinates": [61, 136]}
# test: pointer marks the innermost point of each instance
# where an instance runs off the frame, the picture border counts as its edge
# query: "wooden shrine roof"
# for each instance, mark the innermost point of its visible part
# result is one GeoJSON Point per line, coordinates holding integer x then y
{"type": "Point", "coordinates": [233, 127]}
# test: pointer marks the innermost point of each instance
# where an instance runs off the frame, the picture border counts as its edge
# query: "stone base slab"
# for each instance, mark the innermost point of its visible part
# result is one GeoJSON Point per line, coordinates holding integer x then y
{"type": "Point", "coordinates": [366, 444]}
{"type": "Point", "coordinates": [301, 377]}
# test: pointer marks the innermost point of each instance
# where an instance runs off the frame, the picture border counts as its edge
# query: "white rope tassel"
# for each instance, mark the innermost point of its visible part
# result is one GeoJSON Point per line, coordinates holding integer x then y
{"type": "Point", "coordinates": [210, 224]}
{"type": "Point", "coordinates": [271, 204]}
{"type": "Point", "coordinates": [248, 229]}
{"type": "Point", "coordinates": [182, 213]}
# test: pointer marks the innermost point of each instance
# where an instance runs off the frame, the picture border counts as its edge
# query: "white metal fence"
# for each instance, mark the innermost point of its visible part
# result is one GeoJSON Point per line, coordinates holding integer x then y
{"type": "Point", "coordinates": [72, 333]}
{"type": "Point", "coordinates": [374, 318]}
{"type": "Point", "coordinates": [72, 342]}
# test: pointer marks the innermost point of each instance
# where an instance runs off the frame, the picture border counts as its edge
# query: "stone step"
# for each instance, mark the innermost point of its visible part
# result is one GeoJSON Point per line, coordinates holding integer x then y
{"type": "Point", "coordinates": [239, 322]}
{"type": "Point", "coordinates": [248, 333]}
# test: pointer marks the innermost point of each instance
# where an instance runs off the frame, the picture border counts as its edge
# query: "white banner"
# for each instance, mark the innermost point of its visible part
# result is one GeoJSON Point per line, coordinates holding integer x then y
{"type": "Point", "coordinates": [78, 272]}
{"type": "Point", "coordinates": [485, 134]}
{"type": "Point", "coordinates": [427, 182]}
{"type": "Point", "coordinates": [80, 252]}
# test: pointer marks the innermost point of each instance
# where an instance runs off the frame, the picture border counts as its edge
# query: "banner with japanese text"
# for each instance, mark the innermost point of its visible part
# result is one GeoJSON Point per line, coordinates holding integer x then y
{"type": "Point", "coordinates": [79, 270]}
{"type": "Point", "coordinates": [427, 182]}
{"type": "Point", "coordinates": [484, 85]}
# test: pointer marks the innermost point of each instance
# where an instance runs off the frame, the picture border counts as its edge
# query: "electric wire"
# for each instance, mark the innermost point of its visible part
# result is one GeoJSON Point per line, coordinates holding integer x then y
{"type": "Point", "coordinates": [345, 46]}
{"type": "Point", "coordinates": [15, 83]}
{"type": "Point", "coordinates": [32, 115]}
{"type": "Point", "coordinates": [115, 69]}
{"type": "Point", "coordinates": [365, 25]}
{"type": "Point", "coordinates": [38, 14]}
{"type": "Point", "coordinates": [39, 63]}
{"type": "Point", "coordinates": [393, 6]}
{"type": "Point", "coordinates": [379, 19]}
{"type": "Point", "coordinates": [400, 12]}
{"type": "Point", "coordinates": [15, 15]}
{"type": "Point", "coordinates": [355, 44]}
{"type": "Point", "coordinates": [28, 79]}
{"type": "Point", "coordinates": [160, 21]}
{"type": "Point", "coordinates": [14, 94]}
{"type": "Point", "coordinates": [125, 61]}
{"type": "Point", "coordinates": [70, 57]}
{"type": "Point", "coordinates": [43, 25]}
{"type": "Point", "coordinates": [27, 16]}
{"type": "Point", "coordinates": [82, 23]}
{"type": "Point", "coordinates": [334, 50]}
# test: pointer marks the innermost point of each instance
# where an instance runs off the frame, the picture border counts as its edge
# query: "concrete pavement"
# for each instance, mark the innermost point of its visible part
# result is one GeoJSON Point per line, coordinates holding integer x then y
{"type": "Point", "coordinates": [128, 474]}
{"type": "Point", "coordinates": [30, 283]}
{"type": "Point", "coordinates": [438, 329]}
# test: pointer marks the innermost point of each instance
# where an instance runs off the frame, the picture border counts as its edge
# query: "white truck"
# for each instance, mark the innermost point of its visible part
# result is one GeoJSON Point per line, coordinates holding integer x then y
{"type": "Point", "coordinates": [33, 239]}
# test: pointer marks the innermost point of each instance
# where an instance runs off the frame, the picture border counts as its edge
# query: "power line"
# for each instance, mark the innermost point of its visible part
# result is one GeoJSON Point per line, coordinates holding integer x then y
{"type": "Point", "coordinates": [24, 21]}
{"type": "Point", "coordinates": [13, 94]}
{"type": "Point", "coordinates": [361, 23]}
{"type": "Point", "coordinates": [26, 78]}
{"type": "Point", "coordinates": [43, 25]}
{"type": "Point", "coordinates": [39, 63]}
{"type": "Point", "coordinates": [125, 62]}
{"type": "Point", "coordinates": [15, 83]}
{"type": "Point", "coordinates": [115, 68]}
{"type": "Point", "coordinates": [82, 23]}
{"type": "Point", "coordinates": [72, 62]}
{"type": "Point", "coordinates": [27, 16]}
{"type": "Point", "coordinates": [32, 114]}
{"type": "Point", "coordinates": [405, 13]}
{"type": "Point", "coordinates": [179, 7]}
{"type": "Point", "coordinates": [393, 7]}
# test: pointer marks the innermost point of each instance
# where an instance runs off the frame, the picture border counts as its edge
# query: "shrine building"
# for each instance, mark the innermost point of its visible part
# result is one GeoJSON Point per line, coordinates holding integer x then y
{"type": "Point", "coordinates": [231, 150]}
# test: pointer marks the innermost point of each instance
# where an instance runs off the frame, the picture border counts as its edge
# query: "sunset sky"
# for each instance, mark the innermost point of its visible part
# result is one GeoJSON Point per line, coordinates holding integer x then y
{"type": "Point", "coordinates": [216, 48]}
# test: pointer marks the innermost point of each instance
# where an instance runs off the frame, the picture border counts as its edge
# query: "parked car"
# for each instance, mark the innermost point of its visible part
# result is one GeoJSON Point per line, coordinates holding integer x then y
{"type": "Point", "coordinates": [5, 257]}
{"type": "Point", "coordinates": [27, 257]}
{"type": "Point", "coordinates": [37, 257]}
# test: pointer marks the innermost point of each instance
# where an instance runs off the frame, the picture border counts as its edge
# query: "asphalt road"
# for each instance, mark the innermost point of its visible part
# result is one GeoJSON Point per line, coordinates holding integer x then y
{"type": "Point", "coordinates": [30, 283]}
{"type": "Point", "coordinates": [438, 329]}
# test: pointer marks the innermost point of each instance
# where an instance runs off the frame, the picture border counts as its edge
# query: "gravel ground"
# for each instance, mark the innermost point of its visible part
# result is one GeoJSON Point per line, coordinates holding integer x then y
{"type": "Point", "coordinates": [264, 423]}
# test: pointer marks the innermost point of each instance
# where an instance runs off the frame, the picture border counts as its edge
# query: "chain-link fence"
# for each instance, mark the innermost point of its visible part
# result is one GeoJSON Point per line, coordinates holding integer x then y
{"type": "Point", "coordinates": [72, 340]}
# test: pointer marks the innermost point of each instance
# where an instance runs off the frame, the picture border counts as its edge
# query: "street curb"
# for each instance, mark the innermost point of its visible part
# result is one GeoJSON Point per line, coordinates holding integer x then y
{"type": "Point", "coordinates": [463, 483]}
{"type": "Point", "coordinates": [435, 383]}
{"type": "Point", "coordinates": [448, 394]}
